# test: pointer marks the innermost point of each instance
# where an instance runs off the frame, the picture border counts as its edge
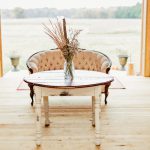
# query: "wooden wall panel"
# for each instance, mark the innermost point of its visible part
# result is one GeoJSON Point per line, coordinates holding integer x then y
{"type": "Point", "coordinates": [147, 42]}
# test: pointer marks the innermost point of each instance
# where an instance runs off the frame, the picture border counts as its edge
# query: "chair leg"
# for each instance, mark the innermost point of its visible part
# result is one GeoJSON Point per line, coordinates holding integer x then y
{"type": "Point", "coordinates": [31, 93]}
{"type": "Point", "coordinates": [106, 93]}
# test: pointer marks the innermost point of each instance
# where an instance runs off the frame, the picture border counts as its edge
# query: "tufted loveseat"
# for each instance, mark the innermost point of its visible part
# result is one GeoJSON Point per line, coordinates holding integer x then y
{"type": "Point", "coordinates": [53, 60]}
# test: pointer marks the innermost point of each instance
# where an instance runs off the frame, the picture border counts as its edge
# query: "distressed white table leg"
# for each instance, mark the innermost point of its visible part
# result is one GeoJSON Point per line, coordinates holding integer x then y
{"type": "Point", "coordinates": [97, 117]}
{"type": "Point", "coordinates": [38, 115]}
{"type": "Point", "coordinates": [46, 109]}
{"type": "Point", "coordinates": [93, 111]}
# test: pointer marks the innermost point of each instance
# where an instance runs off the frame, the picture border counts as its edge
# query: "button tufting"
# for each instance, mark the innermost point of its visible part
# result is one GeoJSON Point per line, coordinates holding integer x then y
{"type": "Point", "coordinates": [86, 61]}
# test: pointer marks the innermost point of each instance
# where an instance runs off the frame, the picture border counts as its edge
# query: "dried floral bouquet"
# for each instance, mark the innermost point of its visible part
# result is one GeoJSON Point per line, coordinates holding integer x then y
{"type": "Point", "coordinates": [67, 44]}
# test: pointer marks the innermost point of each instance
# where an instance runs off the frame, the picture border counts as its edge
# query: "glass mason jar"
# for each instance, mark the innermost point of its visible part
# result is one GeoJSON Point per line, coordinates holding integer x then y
{"type": "Point", "coordinates": [69, 70]}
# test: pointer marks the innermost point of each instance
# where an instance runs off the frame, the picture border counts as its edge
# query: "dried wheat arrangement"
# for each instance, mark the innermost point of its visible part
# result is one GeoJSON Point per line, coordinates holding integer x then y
{"type": "Point", "coordinates": [68, 44]}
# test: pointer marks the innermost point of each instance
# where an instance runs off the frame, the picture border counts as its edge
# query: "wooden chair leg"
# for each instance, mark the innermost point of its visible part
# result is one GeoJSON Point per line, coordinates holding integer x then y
{"type": "Point", "coordinates": [31, 93]}
{"type": "Point", "coordinates": [106, 93]}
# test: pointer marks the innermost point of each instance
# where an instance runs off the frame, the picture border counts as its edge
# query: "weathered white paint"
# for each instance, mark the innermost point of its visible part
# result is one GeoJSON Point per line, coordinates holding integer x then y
{"type": "Point", "coordinates": [94, 92]}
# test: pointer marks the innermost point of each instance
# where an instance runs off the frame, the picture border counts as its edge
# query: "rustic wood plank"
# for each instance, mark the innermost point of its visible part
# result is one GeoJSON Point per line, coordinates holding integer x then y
{"type": "Point", "coordinates": [125, 120]}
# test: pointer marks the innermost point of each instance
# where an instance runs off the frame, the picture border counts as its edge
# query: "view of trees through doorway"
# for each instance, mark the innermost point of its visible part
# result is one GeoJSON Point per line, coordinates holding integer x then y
{"type": "Point", "coordinates": [110, 29]}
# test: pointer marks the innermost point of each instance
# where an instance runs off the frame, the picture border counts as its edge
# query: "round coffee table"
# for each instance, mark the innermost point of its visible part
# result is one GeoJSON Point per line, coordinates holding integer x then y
{"type": "Point", "coordinates": [52, 83]}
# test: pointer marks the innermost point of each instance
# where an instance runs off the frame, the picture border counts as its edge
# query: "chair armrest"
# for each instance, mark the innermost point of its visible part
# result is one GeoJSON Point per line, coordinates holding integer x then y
{"type": "Point", "coordinates": [32, 67]}
{"type": "Point", "coordinates": [105, 65]}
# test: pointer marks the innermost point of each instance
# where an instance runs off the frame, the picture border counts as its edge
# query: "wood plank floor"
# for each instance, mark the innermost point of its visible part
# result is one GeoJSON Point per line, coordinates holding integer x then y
{"type": "Point", "coordinates": [125, 120]}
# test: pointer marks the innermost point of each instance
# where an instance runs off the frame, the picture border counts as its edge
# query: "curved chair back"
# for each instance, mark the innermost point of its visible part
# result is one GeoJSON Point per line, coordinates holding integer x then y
{"type": "Point", "coordinates": [54, 60]}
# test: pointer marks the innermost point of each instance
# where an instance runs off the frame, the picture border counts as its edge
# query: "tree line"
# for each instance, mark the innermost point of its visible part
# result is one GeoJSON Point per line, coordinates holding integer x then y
{"type": "Point", "coordinates": [112, 12]}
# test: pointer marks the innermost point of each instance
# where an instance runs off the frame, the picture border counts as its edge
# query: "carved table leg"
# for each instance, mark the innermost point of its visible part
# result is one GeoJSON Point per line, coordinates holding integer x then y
{"type": "Point", "coordinates": [97, 119]}
{"type": "Point", "coordinates": [31, 93]}
{"type": "Point", "coordinates": [106, 93]}
{"type": "Point", "coordinates": [93, 111]}
{"type": "Point", "coordinates": [38, 115]}
{"type": "Point", "coordinates": [46, 108]}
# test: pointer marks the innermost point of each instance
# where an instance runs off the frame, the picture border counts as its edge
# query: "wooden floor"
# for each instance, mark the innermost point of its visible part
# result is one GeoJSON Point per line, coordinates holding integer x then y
{"type": "Point", "coordinates": [125, 120]}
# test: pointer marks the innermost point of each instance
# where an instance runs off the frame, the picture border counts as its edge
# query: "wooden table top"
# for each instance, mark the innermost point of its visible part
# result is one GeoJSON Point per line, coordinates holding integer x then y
{"type": "Point", "coordinates": [55, 79]}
